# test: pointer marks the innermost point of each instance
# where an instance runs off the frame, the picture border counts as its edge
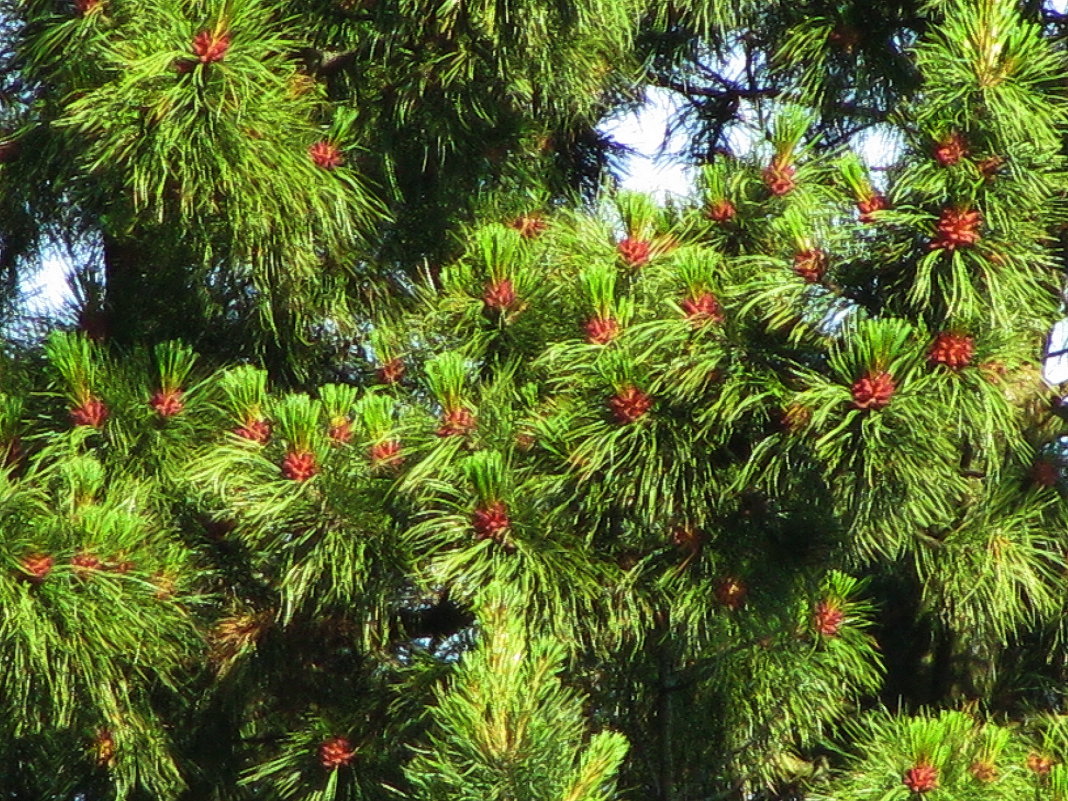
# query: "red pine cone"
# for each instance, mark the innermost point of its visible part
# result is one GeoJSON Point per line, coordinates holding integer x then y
{"type": "Point", "coordinates": [635, 252]}
{"type": "Point", "coordinates": [989, 166]}
{"type": "Point", "coordinates": [827, 617]}
{"type": "Point", "coordinates": [867, 208]}
{"type": "Point", "coordinates": [1045, 474]}
{"type": "Point", "coordinates": [386, 454]}
{"type": "Point", "coordinates": [601, 330]}
{"type": "Point", "coordinates": [299, 465]}
{"type": "Point", "coordinates": [529, 225]}
{"type": "Point", "coordinates": [957, 228]}
{"type": "Point", "coordinates": [731, 592]}
{"type": "Point", "coordinates": [721, 211]}
{"type": "Point", "coordinates": [325, 155]}
{"type": "Point", "coordinates": [37, 566]}
{"type": "Point", "coordinates": [951, 150]}
{"type": "Point", "coordinates": [211, 46]}
{"type": "Point", "coordinates": [256, 430]}
{"type": "Point", "coordinates": [922, 778]}
{"type": "Point", "coordinates": [873, 391]}
{"type": "Point", "coordinates": [952, 350]}
{"type": "Point", "coordinates": [688, 538]}
{"type": "Point", "coordinates": [340, 431]}
{"type": "Point", "coordinates": [456, 422]}
{"type": "Point", "coordinates": [122, 566]}
{"type": "Point", "coordinates": [84, 562]}
{"type": "Point", "coordinates": [985, 772]}
{"type": "Point", "coordinates": [844, 37]}
{"type": "Point", "coordinates": [525, 440]}
{"type": "Point", "coordinates": [702, 309]}
{"type": "Point", "coordinates": [91, 413]}
{"type": "Point", "coordinates": [1040, 763]}
{"type": "Point", "coordinates": [104, 747]}
{"type": "Point", "coordinates": [167, 402]}
{"type": "Point", "coordinates": [391, 372]}
{"type": "Point", "coordinates": [499, 296]}
{"type": "Point", "coordinates": [810, 264]}
{"type": "Point", "coordinates": [87, 7]}
{"type": "Point", "coordinates": [491, 522]}
{"type": "Point", "coordinates": [779, 177]}
{"type": "Point", "coordinates": [337, 752]}
{"type": "Point", "coordinates": [629, 404]}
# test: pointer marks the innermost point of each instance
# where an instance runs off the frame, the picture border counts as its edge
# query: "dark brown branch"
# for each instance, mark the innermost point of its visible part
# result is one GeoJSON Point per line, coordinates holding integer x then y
{"type": "Point", "coordinates": [733, 92]}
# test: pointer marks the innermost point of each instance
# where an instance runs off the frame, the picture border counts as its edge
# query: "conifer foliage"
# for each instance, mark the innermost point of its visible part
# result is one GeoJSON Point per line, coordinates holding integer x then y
{"type": "Point", "coordinates": [557, 495]}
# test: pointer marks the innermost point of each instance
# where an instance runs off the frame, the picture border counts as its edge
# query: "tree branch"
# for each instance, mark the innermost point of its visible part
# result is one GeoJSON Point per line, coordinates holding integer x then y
{"type": "Point", "coordinates": [733, 92]}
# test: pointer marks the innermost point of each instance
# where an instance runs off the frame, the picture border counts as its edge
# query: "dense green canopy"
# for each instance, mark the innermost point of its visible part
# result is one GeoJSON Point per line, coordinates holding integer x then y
{"type": "Point", "coordinates": [389, 450]}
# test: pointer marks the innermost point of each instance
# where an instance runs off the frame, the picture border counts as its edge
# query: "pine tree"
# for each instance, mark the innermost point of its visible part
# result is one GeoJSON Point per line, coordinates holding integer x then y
{"type": "Point", "coordinates": [392, 452]}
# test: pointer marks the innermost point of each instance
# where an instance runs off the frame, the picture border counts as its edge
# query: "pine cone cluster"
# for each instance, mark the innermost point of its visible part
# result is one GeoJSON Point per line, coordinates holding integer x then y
{"type": "Point", "coordinates": [989, 167]}
{"type": "Point", "coordinates": [491, 522]}
{"type": "Point", "coordinates": [299, 465]}
{"type": "Point", "coordinates": [951, 150]}
{"type": "Point", "coordinates": [386, 454]}
{"type": "Point", "coordinates": [688, 538]}
{"type": "Point", "coordinates": [869, 206]}
{"type": "Point", "coordinates": [391, 372]}
{"type": "Point", "coordinates": [827, 618]}
{"type": "Point", "coordinates": [83, 563]}
{"type": "Point", "coordinates": [957, 227]}
{"type": "Point", "coordinates": [601, 330]}
{"type": "Point", "coordinates": [635, 252]}
{"type": "Point", "coordinates": [340, 431]}
{"type": "Point", "coordinates": [457, 422]}
{"type": "Point", "coordinates": [984, 771]}
{"type": "Point", "coordinates": [104, 748]}
{"type": "Point", "coordinates": [92, 413]}
{"type": "Point", "coordinates": [529, 226]}
{"type": "Point", "coordinates": [37, 566]}
{"type": "Point", "coordinates": [235, 633]}
{"type": "Point", "coordinates": [1040, 764]}
{"type": "Point", "coordinates": [337, 752]}
{"type": "Point", "coordinates": [844, 37]}
{"type": "Point", "coordinates": [325, 155]}
{"type": "Point", "coordinates": [255, 429]}
{"type": "Point", "coordinates": [721, 211]}
{"type": "Point", "coordinates": [525, 439]}
{"type": "Point", "coordinates": [952, 350]}
{"type": "Point", "coordinates": [810, 264]}
{"type": "Point", "coordinates": [922, 778]}
{"type": "Point", "coordinates": [873, 391]}
{"type": "Point", "coordinates": [499, 296]}
{"type": "Point", "coordinates": [120, 565]}
{"type": "Point", "coordinates": [731, 592]}
{"type": "Point", "coordinates": [629, 404]}
{"type": "Point", "coordinates": [779, 177]}
{"type": "Point", "coordinates": [702, 309]}
{"type": "Point", "coordinates": [167, 402]}
{"type": "Point", "coordinates": [211, 46]}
